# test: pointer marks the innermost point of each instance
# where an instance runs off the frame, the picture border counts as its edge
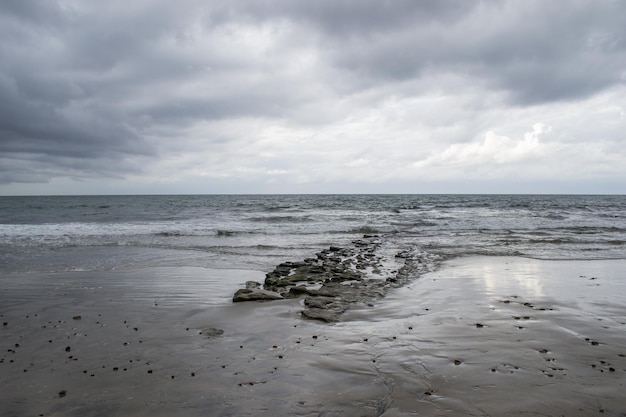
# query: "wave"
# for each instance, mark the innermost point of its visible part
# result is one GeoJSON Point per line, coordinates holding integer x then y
{"type": "Point", "coordinates": [172, 234]}
{"type": "Point", "coordinates": [225, 233]}
{"type": "Point", "coordinates": [556, 241]}
{"type": "Point", "coordinates": [281, 219]}
{"type": "Point", "coordinates": [367, 230]}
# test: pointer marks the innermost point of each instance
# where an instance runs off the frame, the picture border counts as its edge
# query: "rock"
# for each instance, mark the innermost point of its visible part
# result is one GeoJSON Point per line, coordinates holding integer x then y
{"type": "Point", "coordinates": [328, 316]}
{"type": "Point", "coordinates": [342, 277]}
{"type": "Point", "coordinates": [318, 302]}
{"type": "Point", "coordinates": [252, 285]}
{"type": "Point", "coordinates": [211, 332]}
{"type": "Point", "coordinates": [299, 290]}
{"type": "Point", "coordinates": [247, 294]}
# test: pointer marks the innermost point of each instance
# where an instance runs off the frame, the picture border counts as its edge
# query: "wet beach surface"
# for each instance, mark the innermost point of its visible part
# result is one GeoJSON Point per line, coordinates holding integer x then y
{"type": "Point", "coordinates": [483, 336]}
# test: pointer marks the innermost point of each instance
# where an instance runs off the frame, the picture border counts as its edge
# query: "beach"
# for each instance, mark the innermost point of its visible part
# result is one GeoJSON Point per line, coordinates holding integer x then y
{"type": "Point", "coordinates": [481, 335]}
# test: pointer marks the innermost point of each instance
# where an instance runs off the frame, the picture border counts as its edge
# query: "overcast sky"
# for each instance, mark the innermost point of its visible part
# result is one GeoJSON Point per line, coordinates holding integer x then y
{"type": "Point", "coordinates": [337, 96]}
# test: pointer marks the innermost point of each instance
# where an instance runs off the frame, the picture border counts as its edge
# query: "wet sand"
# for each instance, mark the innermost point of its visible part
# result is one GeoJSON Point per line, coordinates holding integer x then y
{"type": "Point", "coordinates": [481, 336]}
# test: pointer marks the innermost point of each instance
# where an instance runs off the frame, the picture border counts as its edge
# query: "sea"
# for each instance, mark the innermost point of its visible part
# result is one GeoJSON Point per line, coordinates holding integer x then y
{"type": "Point", "coordinates": [257, 232]}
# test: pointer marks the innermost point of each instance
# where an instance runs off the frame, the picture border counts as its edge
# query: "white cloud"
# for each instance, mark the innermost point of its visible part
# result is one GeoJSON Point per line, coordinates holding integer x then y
{"type": "Point", "coordinates": [492, 149]}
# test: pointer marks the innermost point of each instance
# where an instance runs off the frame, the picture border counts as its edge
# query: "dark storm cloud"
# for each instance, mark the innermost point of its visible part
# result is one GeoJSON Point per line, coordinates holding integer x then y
{"type": "Point", "coordinates": [534, 51]}
{"type": "Point", "coordinates": [84, 85]}
{"type": "Point", "coordinates": [348, 17]}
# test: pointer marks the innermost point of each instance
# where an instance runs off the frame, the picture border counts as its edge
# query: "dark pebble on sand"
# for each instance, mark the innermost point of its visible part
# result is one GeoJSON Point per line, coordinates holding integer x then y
{"type": "Point", "coordinates": [479, 325]}
{"type": "Point", "coordinates": [67, 349]}
{"type": "Point", "coordinates": [62, 394]}
{"type": "Point", "coordinates": [77, 318]}
{"type": "Point", "coordinates": [150, 371]}
{"type": "Point", "coordinates": [457, 362]}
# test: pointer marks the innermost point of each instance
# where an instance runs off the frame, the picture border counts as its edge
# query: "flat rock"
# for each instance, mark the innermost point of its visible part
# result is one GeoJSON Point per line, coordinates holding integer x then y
{"type": "Point", "coordinates": [328, 316]}
{"type": "Point", "coordinates": [257, 294]}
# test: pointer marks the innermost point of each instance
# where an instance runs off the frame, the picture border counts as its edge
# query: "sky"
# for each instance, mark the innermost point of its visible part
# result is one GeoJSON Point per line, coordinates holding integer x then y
{"type": "Point", "coordinates": [326, 96]}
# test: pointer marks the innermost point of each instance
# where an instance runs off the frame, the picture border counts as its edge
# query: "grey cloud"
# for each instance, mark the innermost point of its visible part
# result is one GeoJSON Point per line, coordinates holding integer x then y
{"type": "Point", "coordinates": [352, 19]}
{"type": "Point", "coordinates": [534, 51]}
{"type": "Point", "coordinates": [536, 54]}
{"type": "Point", "coordinates": [92, 80]}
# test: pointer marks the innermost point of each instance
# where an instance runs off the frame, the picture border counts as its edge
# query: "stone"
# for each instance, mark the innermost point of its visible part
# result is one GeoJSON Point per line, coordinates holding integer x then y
{"type": "Point", "coordinates": [211, 332]}
{"type": "Point", "coordinates": [252, 285]}
{"type": "Point", "coordinates": [247, 294]}
{"type": "Point", "coordinates": [328, 316]}
{"type": "Point", "coordinates": [299, 290]}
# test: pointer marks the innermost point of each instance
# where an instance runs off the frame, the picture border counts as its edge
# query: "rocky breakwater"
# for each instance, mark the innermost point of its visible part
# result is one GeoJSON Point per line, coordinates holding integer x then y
{"type": "Point", "coordinates": [340, 277]}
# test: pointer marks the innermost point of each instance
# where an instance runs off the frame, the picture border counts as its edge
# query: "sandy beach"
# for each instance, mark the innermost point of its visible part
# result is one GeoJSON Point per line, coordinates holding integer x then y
{"type": "Point", "coordinates": [481, 336]}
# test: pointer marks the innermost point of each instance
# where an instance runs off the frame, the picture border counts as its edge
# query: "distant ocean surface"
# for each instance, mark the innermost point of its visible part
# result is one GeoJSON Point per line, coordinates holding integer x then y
{"type": "Point", "coordinates": [256, 232]}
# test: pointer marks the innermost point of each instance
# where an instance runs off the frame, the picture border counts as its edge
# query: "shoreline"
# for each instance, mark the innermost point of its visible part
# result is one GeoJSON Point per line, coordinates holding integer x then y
{"type": "Point", "coordinates": [478, 336]}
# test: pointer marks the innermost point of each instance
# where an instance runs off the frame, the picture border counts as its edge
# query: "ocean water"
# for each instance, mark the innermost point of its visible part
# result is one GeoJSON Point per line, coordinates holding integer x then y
{"type": "Point", "coordinates": [256, 232]}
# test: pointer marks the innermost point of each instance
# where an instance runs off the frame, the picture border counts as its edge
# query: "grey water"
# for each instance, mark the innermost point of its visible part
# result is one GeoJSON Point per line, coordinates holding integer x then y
{"type": "Point", "coordinates": [256, 232]}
